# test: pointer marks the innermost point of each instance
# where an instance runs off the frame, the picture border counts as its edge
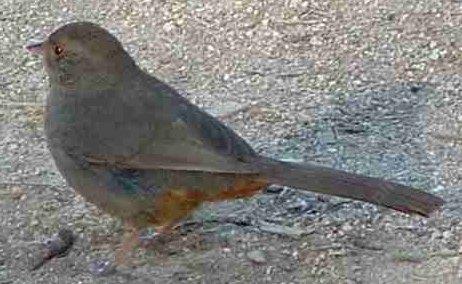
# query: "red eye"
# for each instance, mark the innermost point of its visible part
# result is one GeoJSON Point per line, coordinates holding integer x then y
{"type": "Point", "coordinates": [58, 50]}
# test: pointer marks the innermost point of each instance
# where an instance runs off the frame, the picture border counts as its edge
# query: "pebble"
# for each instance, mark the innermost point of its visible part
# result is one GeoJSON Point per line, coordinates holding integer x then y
{"type": "Point", "coordinates": [101, 268]}
{"type": "Point", "coordinates": [18, 193]}
{"type": "Point", "coordinates": [257, 256]}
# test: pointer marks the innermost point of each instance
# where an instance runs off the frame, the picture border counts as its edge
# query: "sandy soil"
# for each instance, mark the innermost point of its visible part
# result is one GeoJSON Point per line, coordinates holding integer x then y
{"type": "Point", "coordinates": [368, 87]}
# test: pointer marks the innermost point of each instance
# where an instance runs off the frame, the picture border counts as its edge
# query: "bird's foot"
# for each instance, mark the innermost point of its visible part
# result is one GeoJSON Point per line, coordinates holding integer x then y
{"type": "Point", "coordinates": [101, 267]}
{"type": "Point", "coordinates": [130, 241]}
{"type": "Point", "coordinates": [155, 239]}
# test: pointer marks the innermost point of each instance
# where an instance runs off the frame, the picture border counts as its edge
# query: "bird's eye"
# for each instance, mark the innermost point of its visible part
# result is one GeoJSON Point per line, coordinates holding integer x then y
{"type": "Point", "coordinates": [58, 50]}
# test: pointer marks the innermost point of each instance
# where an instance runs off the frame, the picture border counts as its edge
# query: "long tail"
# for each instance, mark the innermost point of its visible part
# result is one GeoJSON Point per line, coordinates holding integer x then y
{"type": "Point", "coordinates": [339, 183]}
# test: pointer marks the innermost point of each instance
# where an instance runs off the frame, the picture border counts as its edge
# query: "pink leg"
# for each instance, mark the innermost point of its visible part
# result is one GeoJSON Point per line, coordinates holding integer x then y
{"type": "Point", "coordinates": [130, 240]}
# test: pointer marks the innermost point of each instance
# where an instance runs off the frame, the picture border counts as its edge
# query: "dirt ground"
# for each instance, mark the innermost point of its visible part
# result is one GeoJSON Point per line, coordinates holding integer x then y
{"type": "Point", "coordinates": [372, 87]}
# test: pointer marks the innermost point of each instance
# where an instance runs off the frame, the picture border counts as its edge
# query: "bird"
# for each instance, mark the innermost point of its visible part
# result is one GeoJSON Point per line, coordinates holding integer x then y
{"type": "Point", "coordinates": [133, 146]}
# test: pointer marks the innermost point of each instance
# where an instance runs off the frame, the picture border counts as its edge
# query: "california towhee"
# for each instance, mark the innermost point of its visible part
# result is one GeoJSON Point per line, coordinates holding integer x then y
{"type": "Point", "coordinates": [133, 146]}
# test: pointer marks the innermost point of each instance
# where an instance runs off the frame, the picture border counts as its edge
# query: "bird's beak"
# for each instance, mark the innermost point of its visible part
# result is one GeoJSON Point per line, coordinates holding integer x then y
{"type": "Point", "coordinates": [35, 48]}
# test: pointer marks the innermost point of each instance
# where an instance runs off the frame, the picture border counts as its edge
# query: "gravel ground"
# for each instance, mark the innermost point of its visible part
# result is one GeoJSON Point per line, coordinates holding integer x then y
{"type": "Point", "coordinates": [367, 86]}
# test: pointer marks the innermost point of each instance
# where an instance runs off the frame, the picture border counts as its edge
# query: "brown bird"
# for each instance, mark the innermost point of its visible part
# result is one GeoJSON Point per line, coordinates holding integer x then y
{"type": "Point", "coordinates": [133, 146]}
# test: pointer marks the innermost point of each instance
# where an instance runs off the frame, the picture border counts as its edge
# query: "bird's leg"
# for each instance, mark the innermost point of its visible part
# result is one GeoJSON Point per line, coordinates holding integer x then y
{"type": "Point", "coordinates": [130, 240]}
{"type": "Point", "coordinates": [161, 235]}
{"type": "Point", "coordinates": [123, 254]}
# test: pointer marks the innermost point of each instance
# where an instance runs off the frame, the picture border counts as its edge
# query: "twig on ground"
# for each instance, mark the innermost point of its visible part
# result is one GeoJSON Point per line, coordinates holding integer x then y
{"type": "Point", "coordinates": [28, 184]}
{"type": "Point", "coordinates": [233, 113]}
{"type": "Point", "coordinates": [283, 230]}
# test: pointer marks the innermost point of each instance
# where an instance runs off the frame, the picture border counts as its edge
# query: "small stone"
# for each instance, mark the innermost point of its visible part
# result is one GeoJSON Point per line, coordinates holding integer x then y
{"type": "Point", "coordinates": [436, 235]}
{"type": "Point", "coordinates": [274, 189]}
{"type": "Point", "coordinates": [447, 235]}
{"type": "Point", "coordinates": [347, 227]}
{"type": "Point", "coordinates": [282, 230]}
{"type": "Point", "coordinates": [167, 27]}
{"type": "Point", "coordinates": [338, 253]}
{"type": "Point", "coordinates": [101, 268]}
{"type": "Point", "coordinates": [257, 256]}
{"type": "Point", "coordinates": [315, 41]}
{"type": "Point", "coordinates": [17, 193]}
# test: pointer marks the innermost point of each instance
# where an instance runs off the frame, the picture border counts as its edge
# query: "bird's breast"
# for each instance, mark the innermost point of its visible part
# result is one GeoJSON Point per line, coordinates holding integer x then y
{"type": "Point", "coordinates": [98, 124]}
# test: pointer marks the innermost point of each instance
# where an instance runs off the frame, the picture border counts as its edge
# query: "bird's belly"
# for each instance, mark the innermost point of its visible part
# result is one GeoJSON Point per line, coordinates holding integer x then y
{"type": "Point", "coordinates": [89, 183]}
{"type": "Point", "coordinates": [154, 197]}
{"type": "Point", "coordinates": [147, 197]}
{"type": "Point", "coordinates": [179, 193]}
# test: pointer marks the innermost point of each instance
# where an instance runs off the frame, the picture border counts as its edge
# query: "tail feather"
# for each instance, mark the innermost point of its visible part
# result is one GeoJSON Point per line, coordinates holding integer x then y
{"type": "Point", "coordinates": [339, 183]}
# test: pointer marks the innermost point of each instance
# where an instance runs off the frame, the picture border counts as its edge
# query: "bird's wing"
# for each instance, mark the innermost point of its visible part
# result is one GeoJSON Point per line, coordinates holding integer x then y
{"type": "Point", "coordinates": [177, 135]}
{"type": "Point", "coordinates": [205, 162]}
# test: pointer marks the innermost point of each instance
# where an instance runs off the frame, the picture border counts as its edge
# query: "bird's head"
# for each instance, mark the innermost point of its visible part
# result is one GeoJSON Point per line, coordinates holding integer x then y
{"type": "Point", "coordinates": [83, 55]}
